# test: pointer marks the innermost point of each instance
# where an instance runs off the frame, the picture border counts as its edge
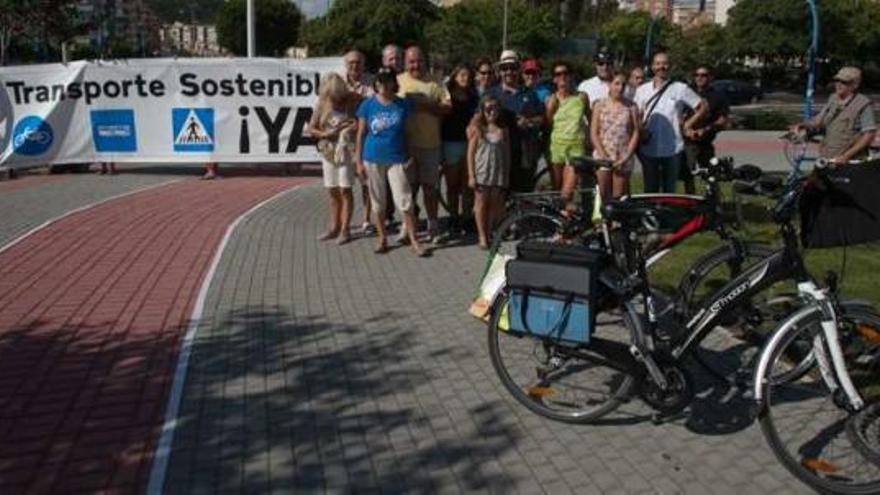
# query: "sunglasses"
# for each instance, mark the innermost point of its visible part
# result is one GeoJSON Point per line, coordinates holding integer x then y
{"type": "Point", "coordinates": [560, 73]}
{"type": "Point", "coordinates": [530, 72]}
{"type": "Point", "coordinates": [490, 108]}
{"type": "Point", "coordinates": [601, 63]}
{"type": "Point", "coordinates": [701, 74]}
{"type": "Point", "coordinates": [841, 81]}
{"type": "Point", "coordinates": [484, 72]}
{"type": "Point", "coordinates": [508, 68]}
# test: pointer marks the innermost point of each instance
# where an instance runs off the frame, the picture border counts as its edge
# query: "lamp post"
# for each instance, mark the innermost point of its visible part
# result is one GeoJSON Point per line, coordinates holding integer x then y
{"type": "Point", "coordinates": [504, 28]}
{"type": "Point", "coordinates": [251, 37]}
{"type": "Point", "coordinates": [812, 53]}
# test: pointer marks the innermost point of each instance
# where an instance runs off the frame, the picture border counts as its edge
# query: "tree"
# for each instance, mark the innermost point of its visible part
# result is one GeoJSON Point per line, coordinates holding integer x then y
{"type": "Point", "coordinates": [277, 26]}
{"type": "Point", "coordinates": [625, 33]}
{"type": "Point", "coordinates": [474, 28]}
{"type": "Point", "coordinates": [189, 11]}
{"type": "Point", "coordinates": [704, 44]}
{"type": "Point", "coordinates": [49, 22]}
{"type": "Point", "coordinates": [368, 25]}
{"type": "Point", "coordinates": [15, 18]}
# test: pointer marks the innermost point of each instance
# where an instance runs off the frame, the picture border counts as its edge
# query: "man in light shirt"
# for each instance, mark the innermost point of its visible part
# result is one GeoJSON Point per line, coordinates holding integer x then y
{"type": "Point", "coordinates": [596, 87]}
{"type": "Point", "coordinates": [430, 102]}
{"type": "Point", "coordinates": [662, 102]}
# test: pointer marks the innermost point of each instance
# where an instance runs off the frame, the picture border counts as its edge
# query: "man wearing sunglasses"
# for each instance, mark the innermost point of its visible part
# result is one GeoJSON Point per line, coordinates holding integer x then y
{"type": "Point", "coordinates": [523, 115]}
{"type": "Point", "coordinates": [596, 87]}
{"type": "Point", "coordinates": [698, 146]}
{"type": "Point", "coordinates": [847, 120]}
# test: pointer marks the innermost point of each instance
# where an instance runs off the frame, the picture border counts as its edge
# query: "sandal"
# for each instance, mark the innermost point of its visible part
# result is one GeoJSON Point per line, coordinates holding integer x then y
{"type": "Point", "coordinates": [419, 251]}
{"type": "Point", "coordinates": [343, 238]}
{"type": "Point", "coordinates": [326, 236]}
{"type": "Point", "coordinates": [381, 248]}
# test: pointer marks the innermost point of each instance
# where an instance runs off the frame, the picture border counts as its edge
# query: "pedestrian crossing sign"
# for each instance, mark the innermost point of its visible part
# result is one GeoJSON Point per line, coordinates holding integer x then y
{"type": "Point", "coordinates": [193, 129]}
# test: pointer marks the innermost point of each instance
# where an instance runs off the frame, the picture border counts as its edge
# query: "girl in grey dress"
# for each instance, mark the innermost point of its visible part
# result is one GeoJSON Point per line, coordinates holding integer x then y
{"type": "Point", "coordinates": [488, 160]}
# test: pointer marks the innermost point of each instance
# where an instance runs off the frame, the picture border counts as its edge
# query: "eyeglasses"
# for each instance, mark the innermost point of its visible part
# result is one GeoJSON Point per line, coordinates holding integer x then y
{"type": "Point", "coordinates": [560, 73]}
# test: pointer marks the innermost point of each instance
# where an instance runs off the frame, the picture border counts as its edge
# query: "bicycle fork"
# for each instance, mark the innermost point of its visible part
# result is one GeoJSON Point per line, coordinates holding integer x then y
{"type": "Point", "coordinates": [826, 348]}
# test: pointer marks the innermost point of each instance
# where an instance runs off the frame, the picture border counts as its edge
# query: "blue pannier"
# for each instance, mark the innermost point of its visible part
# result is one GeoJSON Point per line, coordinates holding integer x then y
{"type": "Point", "coordinates": [552, 291]}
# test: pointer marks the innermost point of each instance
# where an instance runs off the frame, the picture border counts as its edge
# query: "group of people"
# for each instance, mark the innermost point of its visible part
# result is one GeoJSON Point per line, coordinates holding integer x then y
{"type": "Point", "coordinates": [485, 129]}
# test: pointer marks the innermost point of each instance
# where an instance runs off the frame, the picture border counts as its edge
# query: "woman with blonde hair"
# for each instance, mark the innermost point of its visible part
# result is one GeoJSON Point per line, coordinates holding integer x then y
{"type": "Point", "coordinates": [488, 163]}
{"type": "Point", "coordinates": [334, 125]}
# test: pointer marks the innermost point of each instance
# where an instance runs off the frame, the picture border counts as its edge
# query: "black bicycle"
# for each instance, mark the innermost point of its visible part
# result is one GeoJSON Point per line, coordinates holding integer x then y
{"type": "Point", "coordinates": [581, 382]}
{"type": "Point", "coordinates": [543, 217]}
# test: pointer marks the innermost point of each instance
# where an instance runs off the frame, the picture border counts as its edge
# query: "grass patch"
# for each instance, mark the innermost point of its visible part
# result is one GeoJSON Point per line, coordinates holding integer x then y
{"type": "Point", "coordinates": [856, 281]}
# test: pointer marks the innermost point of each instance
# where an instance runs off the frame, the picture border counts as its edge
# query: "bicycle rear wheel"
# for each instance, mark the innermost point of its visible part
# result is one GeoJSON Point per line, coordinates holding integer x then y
{"type": "Point", "coordinates": [561, 381]}
{"type": "Point", "coordinates": [807, 424]}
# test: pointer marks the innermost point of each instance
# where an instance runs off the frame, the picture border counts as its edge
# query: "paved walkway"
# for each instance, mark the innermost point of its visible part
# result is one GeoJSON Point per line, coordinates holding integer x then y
{"type": "Point", "coordinates": [92, 309]}
{"type": "Point", "coordinates": [325, 368]}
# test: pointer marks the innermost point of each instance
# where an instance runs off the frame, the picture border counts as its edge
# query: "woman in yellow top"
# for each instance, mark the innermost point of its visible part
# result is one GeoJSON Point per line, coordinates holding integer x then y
{"type": "Point", "coordinates": [566, 110]}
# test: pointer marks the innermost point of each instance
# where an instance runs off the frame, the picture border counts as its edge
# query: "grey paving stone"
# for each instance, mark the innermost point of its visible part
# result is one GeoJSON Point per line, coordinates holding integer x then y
{"type": "Point", "coordinates": [328, 368]}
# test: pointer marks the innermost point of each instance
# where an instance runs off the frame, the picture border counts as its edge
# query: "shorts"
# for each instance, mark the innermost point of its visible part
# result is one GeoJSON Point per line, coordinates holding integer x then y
{"type": "Point", "coordinates": [561, 152]}
{"type": "Point", "coordinates": [453, 152]}
{"type": "Point", "coordinates": [424, 168]}
{"type": "Point", "coordinates": [379, 177]}
{"type": "Point", "coordinates": [337, 175]}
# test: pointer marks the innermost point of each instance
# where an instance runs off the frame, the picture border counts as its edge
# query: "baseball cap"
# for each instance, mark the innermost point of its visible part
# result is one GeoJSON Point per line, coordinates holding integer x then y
{"type": "Point", "coordinates": [531, 64]}
{"type": "Point", "coordinates": [509, 57]}
{"type": "Point", "coordinates": [602, 55]}
{"type": "Point", "coordinates": [849, 74]}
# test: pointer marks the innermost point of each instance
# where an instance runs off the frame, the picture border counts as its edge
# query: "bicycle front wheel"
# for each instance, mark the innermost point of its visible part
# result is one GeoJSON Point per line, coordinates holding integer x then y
{"type": "Point", "coordinates": [562, 381]}
{"type": "Point", "coordinates": [806, 423]}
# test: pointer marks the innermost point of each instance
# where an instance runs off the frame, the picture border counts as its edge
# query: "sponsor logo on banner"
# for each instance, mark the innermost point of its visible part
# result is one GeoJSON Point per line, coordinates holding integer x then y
{"type": "Point", "coordinates": [32, 136]}
{"type": "Point", "coordinates": [113, 130]}
{"type": "Point", "coordinates": [193, 129]}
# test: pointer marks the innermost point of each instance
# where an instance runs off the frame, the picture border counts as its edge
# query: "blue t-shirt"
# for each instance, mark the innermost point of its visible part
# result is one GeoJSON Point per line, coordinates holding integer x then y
{"type": "Point", "coordinates": [385, 140]}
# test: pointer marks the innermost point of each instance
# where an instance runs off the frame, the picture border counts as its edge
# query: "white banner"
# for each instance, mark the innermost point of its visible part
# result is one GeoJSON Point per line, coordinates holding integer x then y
{"type": "Point", "coordinates": [160, 111]}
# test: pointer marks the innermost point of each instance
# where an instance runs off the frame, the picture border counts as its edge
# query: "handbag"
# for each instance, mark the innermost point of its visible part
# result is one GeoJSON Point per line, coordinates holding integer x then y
{"type": "Point", "coordinates": [552, 291]}
{"type": "Point", "coordinates": [645, 134]}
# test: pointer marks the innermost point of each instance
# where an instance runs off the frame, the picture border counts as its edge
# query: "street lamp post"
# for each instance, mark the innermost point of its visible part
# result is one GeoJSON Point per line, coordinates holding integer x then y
{"type": "Point", "coordinates": [809, 92]}
{"type": "Point", "coordinates": [504, 28]}
{"type": "Point", "coordinates": [251, 36]}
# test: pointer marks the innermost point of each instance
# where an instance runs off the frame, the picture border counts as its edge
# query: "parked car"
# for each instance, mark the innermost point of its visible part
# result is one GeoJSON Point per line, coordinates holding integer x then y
{"type": "Point", "coordinates": [738, 92]}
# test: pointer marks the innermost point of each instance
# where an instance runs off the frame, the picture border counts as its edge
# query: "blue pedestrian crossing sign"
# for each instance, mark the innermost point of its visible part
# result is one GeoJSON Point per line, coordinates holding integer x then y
{"type": "Point", "coordinates": [193, 129]}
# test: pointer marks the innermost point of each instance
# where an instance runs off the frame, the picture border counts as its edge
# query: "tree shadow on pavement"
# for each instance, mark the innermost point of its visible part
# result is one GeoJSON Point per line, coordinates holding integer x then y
{"type": "Point", "coordinates": [275, 401]}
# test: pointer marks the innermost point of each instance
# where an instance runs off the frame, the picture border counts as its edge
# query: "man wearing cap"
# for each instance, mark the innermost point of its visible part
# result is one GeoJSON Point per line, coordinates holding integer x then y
{"type": "Point", "coordinates": [596, 87]}
{"type": "Point", "coordinates": [847, 119]}
{"type": "Point", "coordinates": [523, 114]}
{"type": "Point", "coordinates": [430, 103]}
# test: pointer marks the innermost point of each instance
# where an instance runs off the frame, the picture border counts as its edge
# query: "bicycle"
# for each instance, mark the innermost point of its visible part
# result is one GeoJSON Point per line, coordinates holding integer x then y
{"type": "Point", "coordinates": [824, 425]}
{"type": "Point", "coordinates": [540, 370]}
{"type": "Point", "coordinates": [543, 217]}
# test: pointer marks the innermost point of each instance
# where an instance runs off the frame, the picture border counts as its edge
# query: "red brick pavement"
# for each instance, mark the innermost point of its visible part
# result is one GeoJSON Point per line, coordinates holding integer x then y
{"type": "Point", "coordinates": [91, 312]}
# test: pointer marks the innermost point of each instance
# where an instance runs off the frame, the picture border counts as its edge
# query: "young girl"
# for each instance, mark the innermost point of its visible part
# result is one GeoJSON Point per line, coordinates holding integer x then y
{"type": "Point", "coordinates": [566, 109]}
{"type": "Point", "coordinates": [614, 131]}
{"type": "Point", "coordinates": [488, 160]}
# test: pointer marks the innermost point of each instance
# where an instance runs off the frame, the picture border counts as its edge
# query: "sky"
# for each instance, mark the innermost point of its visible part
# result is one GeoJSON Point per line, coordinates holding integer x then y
{"type": "Point", "coordinates": [312, 8]}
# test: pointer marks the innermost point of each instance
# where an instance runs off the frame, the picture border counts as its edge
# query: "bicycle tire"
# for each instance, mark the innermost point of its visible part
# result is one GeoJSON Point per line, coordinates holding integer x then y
{"type": "Point", "coordinates": [826, 460]}
{"type": "Point", "coordinates": [525, 225]}
{"type": "Point", "coordinates": [544, 392]}
{"type": "Point", "coordinates": [727, 354]}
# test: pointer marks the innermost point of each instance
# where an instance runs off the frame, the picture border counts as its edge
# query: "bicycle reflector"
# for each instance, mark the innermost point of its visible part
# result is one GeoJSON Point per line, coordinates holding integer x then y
{"type": "Point", "coordinates": [869, 333]}
{"type": "Point", "coordinates": [819, 465]}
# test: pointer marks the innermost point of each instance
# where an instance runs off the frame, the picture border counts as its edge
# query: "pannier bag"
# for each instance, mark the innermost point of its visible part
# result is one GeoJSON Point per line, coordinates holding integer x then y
{"type": "Point", "coordinates": [552, 291]}
{"type": "Point", "coordinates": [844, 210]}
